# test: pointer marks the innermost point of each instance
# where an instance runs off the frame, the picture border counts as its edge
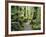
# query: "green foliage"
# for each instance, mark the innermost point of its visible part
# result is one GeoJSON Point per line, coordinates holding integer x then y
{"type": "Point", "coordinates": [23, 14]}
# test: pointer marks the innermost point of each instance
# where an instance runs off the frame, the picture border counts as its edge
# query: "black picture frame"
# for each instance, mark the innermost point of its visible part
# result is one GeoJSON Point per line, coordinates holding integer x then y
{"type": "Point", "coordinates": [6, 17]}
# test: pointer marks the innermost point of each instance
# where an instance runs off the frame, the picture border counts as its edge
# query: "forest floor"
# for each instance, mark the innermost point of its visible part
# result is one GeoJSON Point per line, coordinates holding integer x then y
{"type": "Point", "coordinates": [27, 26]}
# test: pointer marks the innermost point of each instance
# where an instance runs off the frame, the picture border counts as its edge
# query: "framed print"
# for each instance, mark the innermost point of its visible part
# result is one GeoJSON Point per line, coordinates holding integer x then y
{"type": "Point", "coordinates": [24, 18]}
